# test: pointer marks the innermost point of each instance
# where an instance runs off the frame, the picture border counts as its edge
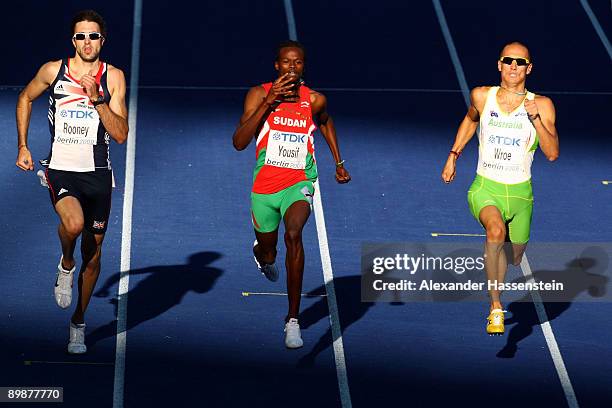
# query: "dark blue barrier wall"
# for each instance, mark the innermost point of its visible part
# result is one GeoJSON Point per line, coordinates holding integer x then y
{"type": "Point", "coordinates": [34, 32]}
{"type": "Point", "coordinates": [358, 44]}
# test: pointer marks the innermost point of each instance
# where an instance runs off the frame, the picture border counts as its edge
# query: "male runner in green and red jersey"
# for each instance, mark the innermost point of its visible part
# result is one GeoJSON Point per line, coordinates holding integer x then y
{"type": "Point", "coordinates": [513, 122]}
{"type": "Point", "coordinates": [282, 116]}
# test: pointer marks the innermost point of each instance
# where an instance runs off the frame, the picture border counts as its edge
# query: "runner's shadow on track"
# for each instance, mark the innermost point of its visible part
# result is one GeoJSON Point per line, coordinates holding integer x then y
{"type": "Point", "coordinates": [162, 289]}
{"type": "Point", "coordinates": [576, 279]}
{"type": "Point", "coordinates": [350, 309]}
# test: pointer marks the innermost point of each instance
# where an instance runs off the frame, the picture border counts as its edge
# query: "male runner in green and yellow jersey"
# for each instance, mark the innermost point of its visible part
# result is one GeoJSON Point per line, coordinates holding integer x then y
{"type": "Point", "coordinates": [513, 122]}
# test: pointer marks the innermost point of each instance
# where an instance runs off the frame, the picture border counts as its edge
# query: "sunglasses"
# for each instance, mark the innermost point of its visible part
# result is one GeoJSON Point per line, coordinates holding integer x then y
{"type": "Point", "coordinates": [91, 36]}
{"type": "Point", "coordinates": [521, 62]}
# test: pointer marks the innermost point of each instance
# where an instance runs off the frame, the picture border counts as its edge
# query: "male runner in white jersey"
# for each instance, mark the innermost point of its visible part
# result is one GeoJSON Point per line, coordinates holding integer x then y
{"type": "Point", "coordinates": [512, 123]}
{"type": "Point", "coordinates": [86, 109]}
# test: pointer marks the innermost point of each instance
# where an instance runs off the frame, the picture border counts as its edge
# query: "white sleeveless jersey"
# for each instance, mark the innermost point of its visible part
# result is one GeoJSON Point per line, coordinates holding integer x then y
{"type": "Point", "coordinates": [507, 142]}
{"type": "Point", "coordinates": [79, 141]}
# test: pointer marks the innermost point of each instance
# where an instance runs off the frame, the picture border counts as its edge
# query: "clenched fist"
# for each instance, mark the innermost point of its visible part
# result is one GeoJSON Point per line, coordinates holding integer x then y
{"type": "Point", "coordinates": [24, 159]}
{"type": "Point", "coordinates": [88, 82]}
{"type": "Point", "coordinates": [532, 109]}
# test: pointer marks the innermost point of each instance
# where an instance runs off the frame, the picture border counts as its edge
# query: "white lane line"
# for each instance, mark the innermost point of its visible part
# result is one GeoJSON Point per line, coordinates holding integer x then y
{"type": "Point", "coordinates": [452, 50]}
{"type": "Point", "coordinates": [290, 20]}
{"type": "Point", "coordinates": [334, 316]}
{"type": "Point", "coordinates": [600, 32]}
{"type": "Point", "coordinates": [328, 275]}
{"type": "Point", "coordinates": [555, 353]}
{"type": "Point", "coordinates": [551, 342]}
{"type": "Point", "coordinates": [126, 237]}
{"type": "Point", "coordinates": [307, 295]}
{"type": "Point", "coordinates": [456, 234]}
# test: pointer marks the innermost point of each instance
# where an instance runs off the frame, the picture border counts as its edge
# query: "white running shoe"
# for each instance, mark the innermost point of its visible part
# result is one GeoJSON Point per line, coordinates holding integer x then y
{"type": "Point", "coordinates": [42, 178]}
{"type": "Point", "coordinates": [63, 286]}
{"type": "Point", "coordinates": [269, 271]}
{"type": "Point", "coordinates": [77, 339]}
{"type": "Point", "coordinates": [293, 336]}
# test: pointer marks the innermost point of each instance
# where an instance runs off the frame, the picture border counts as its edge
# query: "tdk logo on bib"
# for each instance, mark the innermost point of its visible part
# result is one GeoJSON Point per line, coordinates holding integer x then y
{"type": "Point", "coordinates": [76, 114]}
{"type": "Point", "coordinates": [289, 137]}
{"type": "Point", "coordinates": [506, 141]}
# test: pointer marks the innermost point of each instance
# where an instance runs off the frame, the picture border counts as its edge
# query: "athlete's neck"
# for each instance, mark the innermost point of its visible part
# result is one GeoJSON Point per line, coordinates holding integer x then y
{"type": "Point", "coordinates": [78, 67]}
{"type": "Point", "coordinates": [517, 89]}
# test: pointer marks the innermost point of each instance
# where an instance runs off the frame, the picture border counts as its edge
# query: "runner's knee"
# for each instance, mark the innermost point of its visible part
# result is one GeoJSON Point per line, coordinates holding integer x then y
{"type": "Point", "coordinates": [496, 232]}
{"type": "Point", "coordinates": [293, 236]}
{"type": "Point", "coordinates": [91, 254]}
{"type": "Point", "coordinates": [73, 225]}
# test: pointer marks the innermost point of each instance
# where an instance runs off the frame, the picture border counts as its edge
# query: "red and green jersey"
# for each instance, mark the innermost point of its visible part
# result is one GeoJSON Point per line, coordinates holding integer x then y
{"type": "Point", "coordinates": [285, 146]}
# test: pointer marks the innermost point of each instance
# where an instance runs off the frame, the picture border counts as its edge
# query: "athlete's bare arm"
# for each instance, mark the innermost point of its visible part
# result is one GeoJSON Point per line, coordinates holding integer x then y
{"type": "Point", "coordinates": [45, 76]}
{"type": "Point", "coordinates": [257, 107]}
{"type": "Point", "coordinates": [466, 130]}
{"type": "Point", "coordinates": [328, 130]}
{"type": "Point", "coordinates": [113, 115]}
{"type": "Point", "coordinates": [541, 112]}
{"type": "Point", "coordinates": [255, 110]}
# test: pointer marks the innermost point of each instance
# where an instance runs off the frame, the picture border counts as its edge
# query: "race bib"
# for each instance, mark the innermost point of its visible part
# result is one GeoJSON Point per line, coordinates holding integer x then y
{"type": "Point", "coordinates": [76, 121]}
{"type": "Point", "coordinates": [505, 152]}
{"type": "Point", "coordinates": [287, 150]}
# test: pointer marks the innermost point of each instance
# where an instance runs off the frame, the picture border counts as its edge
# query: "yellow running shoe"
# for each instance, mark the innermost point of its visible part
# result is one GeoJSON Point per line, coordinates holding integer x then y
{"type": "Point", "coordinates": [495, 322]}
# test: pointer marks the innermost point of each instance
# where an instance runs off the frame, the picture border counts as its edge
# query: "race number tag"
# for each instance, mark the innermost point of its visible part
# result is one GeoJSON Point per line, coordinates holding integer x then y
{"type": "Point", "coordinates": [76, 124]}
{"type": "Point", "coordinates": [505, 151]}
{"type": "Point", "coordinates": [76, 120]}
{"type": "Point", "coordinates": [287, 150]}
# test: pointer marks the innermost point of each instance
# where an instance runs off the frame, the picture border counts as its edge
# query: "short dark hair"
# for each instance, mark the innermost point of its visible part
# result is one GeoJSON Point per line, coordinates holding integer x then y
{"type": "Point", "coordinates": [89, 15]}
{"type": "Point", "coordinates": [516, 43]}
{"type": "Point", "coordinates": [287, 44]}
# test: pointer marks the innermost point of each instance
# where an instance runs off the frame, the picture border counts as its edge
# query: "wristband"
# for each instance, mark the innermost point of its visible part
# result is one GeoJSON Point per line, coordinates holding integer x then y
{"type": "Point", "coordinates": [340, 163]}
{"type": "Point", "coordinates": [98, 101]}
{"type": "Point", "coordinates": [457, 154]}
{"type": "Point", "coordinates": [534, 117]}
